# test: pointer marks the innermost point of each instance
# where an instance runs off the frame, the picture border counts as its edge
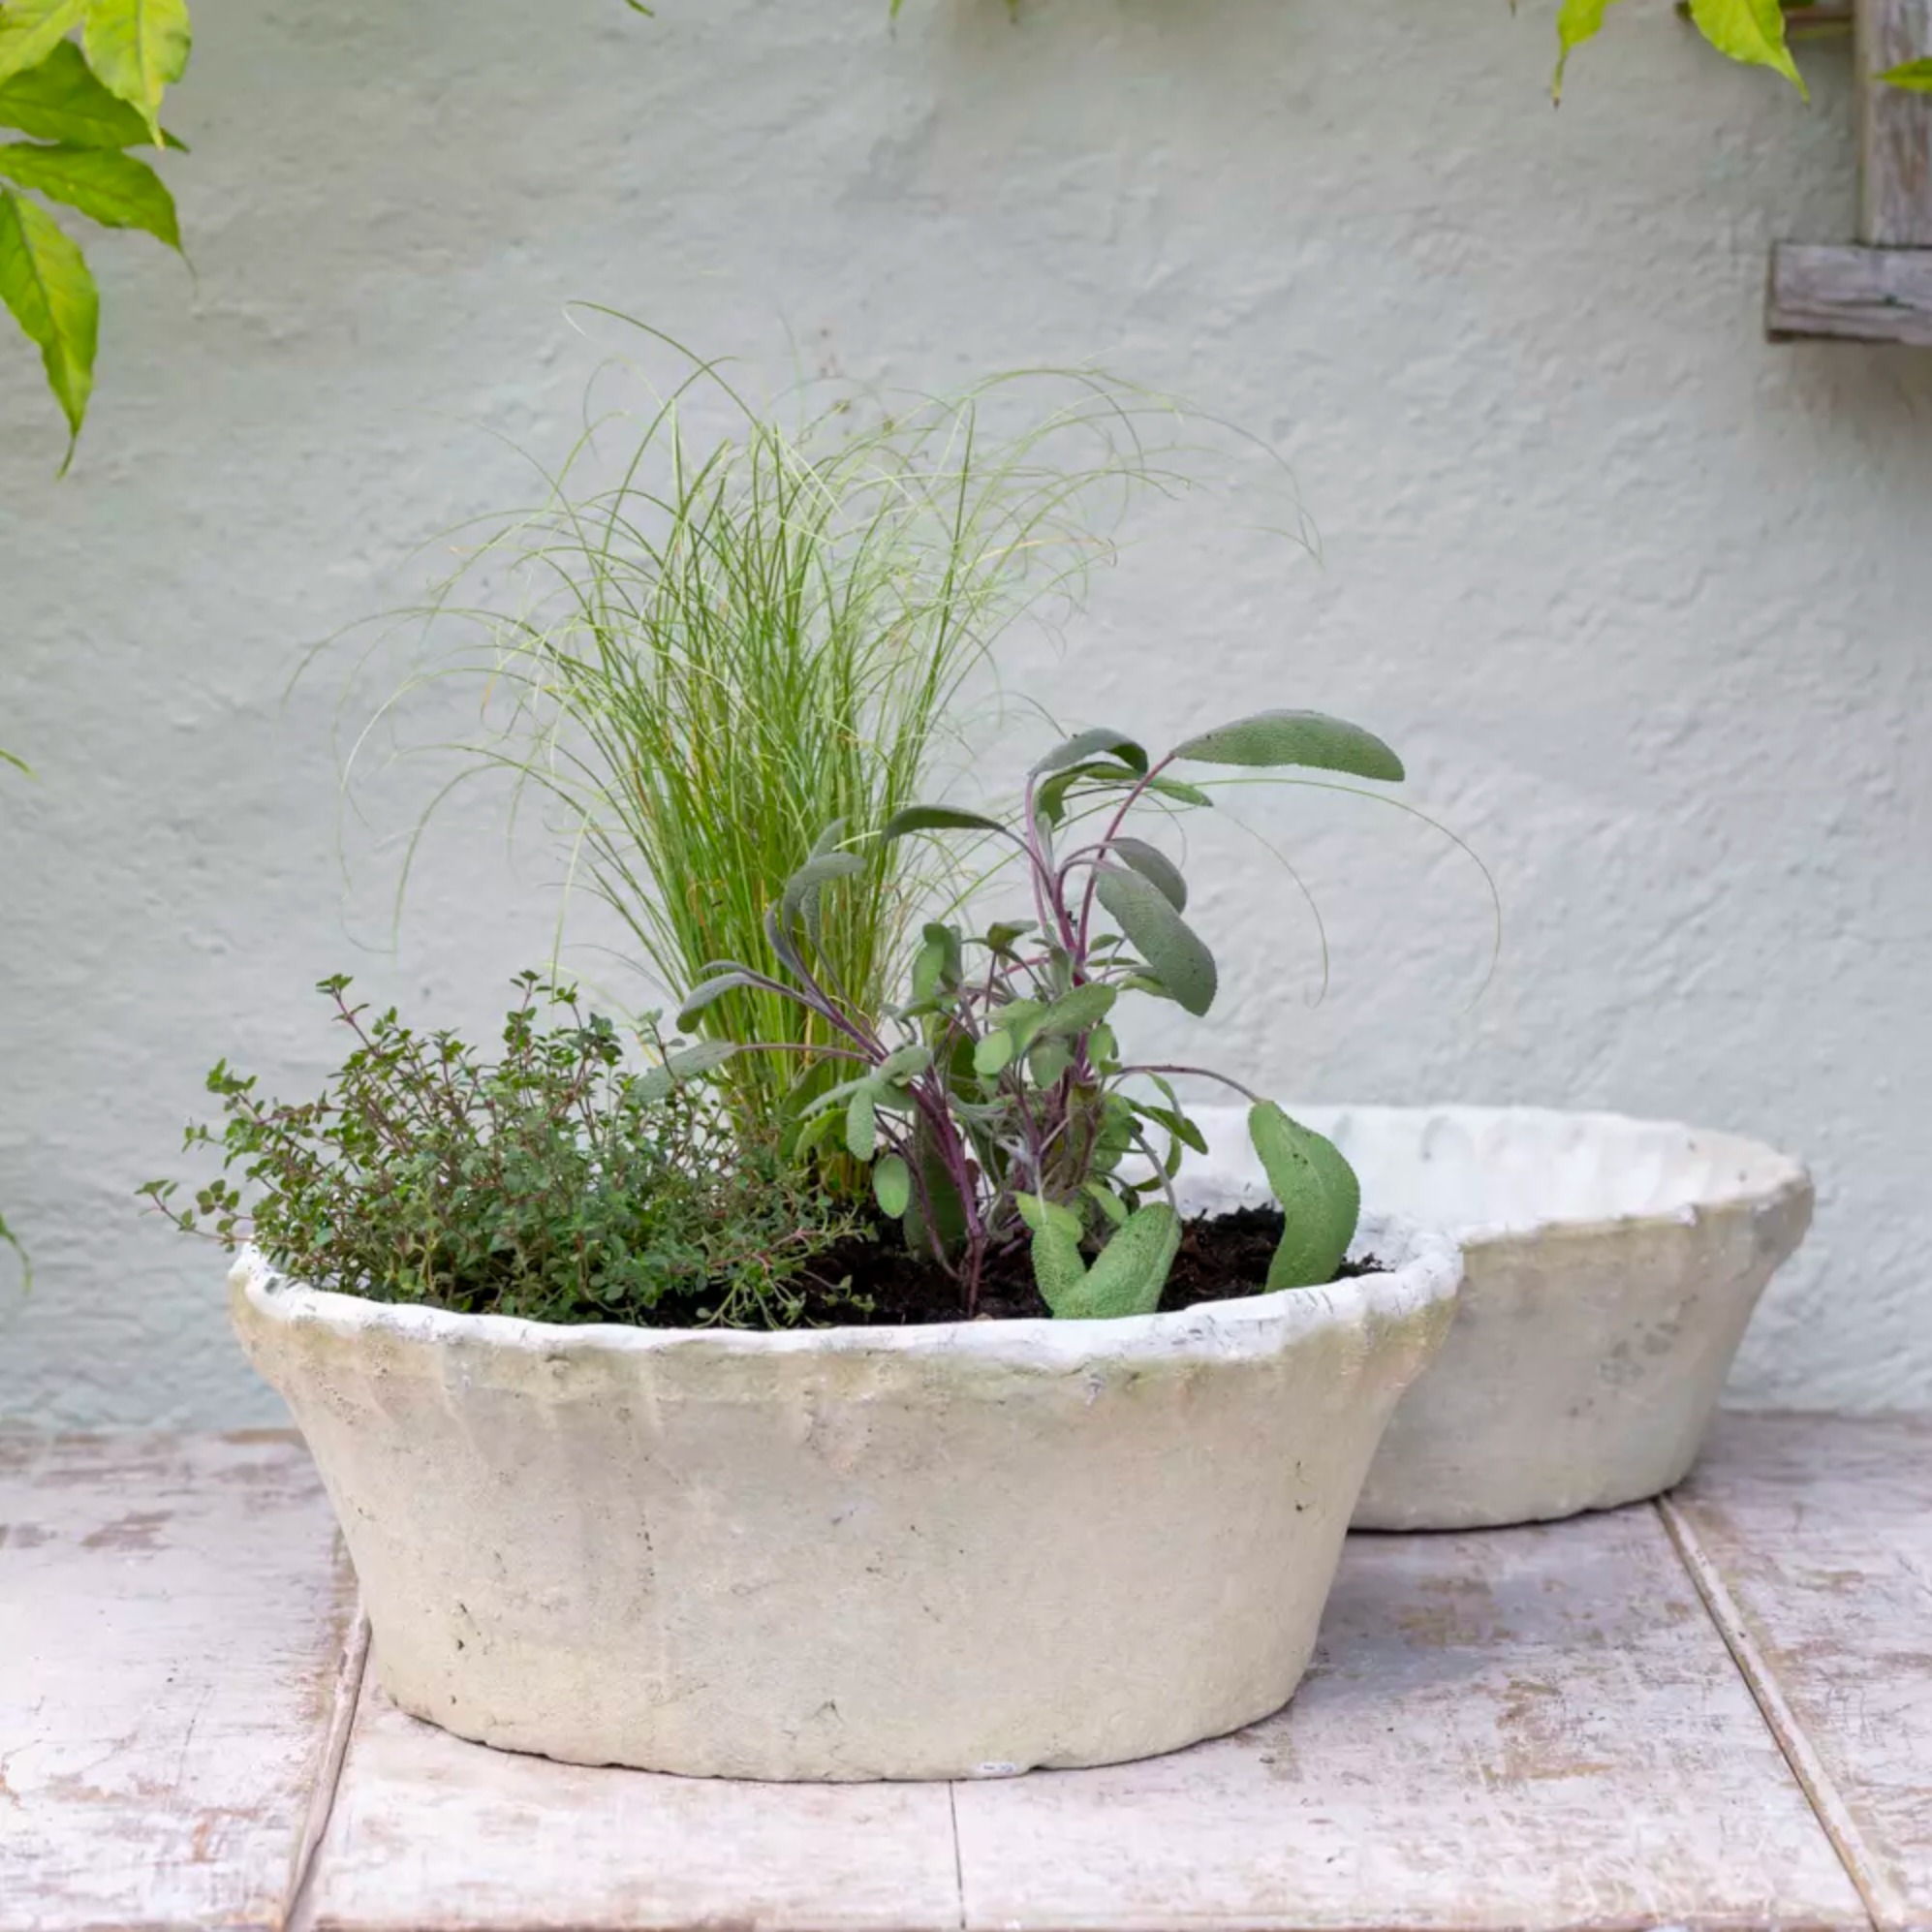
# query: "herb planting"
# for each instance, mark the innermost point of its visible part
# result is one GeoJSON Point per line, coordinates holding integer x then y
{"type": "Point", "coordinates": [559, 1181]}
{"type": "Point", "coordinates": [994, 1106]}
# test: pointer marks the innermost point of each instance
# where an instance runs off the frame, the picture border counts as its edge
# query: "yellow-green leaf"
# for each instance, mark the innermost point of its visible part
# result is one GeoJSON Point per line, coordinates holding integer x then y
{"type": "Point", "coordinates": [112, 189]}
{"type": "Point", "coordinates": [140, 50]}
{"type": "Point", "coordinates": [1752, 31]}
{"type": "Point", "coordinates": [1915, 77]}
{"type": "Point", "coordinates": [1579, 21]}
{"type": "Point", "coordinates": [62, 100]}
{"type": "Point", "coordinates": [43, 279]}
{"type": "Point", "coordinates": [31, 29]}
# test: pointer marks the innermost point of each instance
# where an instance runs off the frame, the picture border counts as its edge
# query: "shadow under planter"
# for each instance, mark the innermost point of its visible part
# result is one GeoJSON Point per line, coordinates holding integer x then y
{"type": "Point", "coordinates": [1610, 1268]}
{"type": "Point", "coordinates": [948, 1551]}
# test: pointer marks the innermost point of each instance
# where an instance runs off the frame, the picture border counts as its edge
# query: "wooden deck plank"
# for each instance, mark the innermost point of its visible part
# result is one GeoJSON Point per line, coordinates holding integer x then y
{"type": "Point", "coordinates": [1812, 1538]}
{"type": "Point", "coordinates": [173, 1618]}
{"type": "Point", "coordinates": [1531, 1728]}
{"type": "Point", "coordinates": [431, 1834]}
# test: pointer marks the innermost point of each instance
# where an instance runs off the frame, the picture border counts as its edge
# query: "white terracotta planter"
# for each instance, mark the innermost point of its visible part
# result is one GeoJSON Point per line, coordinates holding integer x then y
{"type": "Point", "coordinates": [1612, 1268]}
{"type": "Point", "coordinates": [949, 1551]}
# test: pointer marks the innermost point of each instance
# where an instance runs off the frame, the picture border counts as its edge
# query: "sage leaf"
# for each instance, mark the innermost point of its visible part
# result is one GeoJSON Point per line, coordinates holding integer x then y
{"type": "Point", "coordinates": [1078, 749]}
{"type": "Point", "coordinates": [1294, 737]}
{"type": "Point", "coordinates": [1038, 1212]}
{"type": "Point", "coordinates": [812, 1130]}
{"type": "Point", "coordinates": [1076, 1012]}
{"type": "Point", "coordinates": [941, 1193]}
{"type": "Point", "coordinates": [1317, 1190]}
{"type": "Point", "coordinates": [684, 1063]}
{"type": "Point", "coordinates": [44, 281]}
{"type": "Point", "coordinates": [835, 1097]}
{"type": "Point", "coordinates": [861, 1124]}
{"type": "Point", "coordinates": [708, 992]}
{"type": "Point", "coordinates": [928, 967]}
{"type": "Point", "coordinates": [903, 1063]}
{"type": "Point", "coordinates": [140, 50]}
{"type": "Point", "coordinates": [993, 1054]}
{"type": "Point", "coordinates": [1154, 866]}
{"type": "Point", "coordinates": [892, 1186]}
{"type": "Point", "coordinates": [1050, 802]}
{"type": "Point", "coordinates": [1182, 964]}
{"type": "Point", "coordinates": [1180, 792]}
{"type": "Point", "coordinates": [1126, 1278]}
{"type": "Point", "coordinates": [1058, 1269]}
{"type": "Point", "coordinates": [802, 889]}
{"type": "Point", "coordinates": [1048, 1061]}
{"type": "Point", "coordinates": [937, 819]}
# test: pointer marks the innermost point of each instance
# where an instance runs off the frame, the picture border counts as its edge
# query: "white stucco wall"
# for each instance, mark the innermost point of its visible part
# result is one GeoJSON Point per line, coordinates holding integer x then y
{"type": "Point", "coordinates": [1646, 602]}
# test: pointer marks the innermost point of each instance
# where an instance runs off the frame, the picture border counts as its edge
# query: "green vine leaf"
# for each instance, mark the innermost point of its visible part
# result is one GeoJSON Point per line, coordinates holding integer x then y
{"type": "Point", "coordinates": [1751, 31]}
{"type": "Point", "coordinates": [1915, 77]}
{"type": "Point", "coordinates": [1579, 21]}
{"type": "Point", "coordinates": [112, 189]}
{"type": "Point", "coordinates": [31, 29]}
{"type": "Point", "coordinates": [139, 49]}
{"type": "Point", "coordinates": [62, 100]}
{"type": "Point", "coordinates": [44, 281]}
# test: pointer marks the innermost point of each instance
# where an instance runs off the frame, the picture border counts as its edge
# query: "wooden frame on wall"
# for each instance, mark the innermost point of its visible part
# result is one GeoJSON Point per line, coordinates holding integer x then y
{"type": "Point", "coordinates": [1879, 289]}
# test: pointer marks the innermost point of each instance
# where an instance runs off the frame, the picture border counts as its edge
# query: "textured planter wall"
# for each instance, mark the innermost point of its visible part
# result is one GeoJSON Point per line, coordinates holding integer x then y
{"type": "Point", "coordinates": [1643, 599]}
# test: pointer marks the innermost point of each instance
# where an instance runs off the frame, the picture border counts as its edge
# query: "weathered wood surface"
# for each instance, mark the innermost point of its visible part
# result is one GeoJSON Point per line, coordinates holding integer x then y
{"type": "Point", "coordinates": [1866, 295]}
{"type": "Point", "coordinates": [172, 1615]}
{"type": "Point", "coordinates": [1533, 1728]}
{"type": "Point", "coordinates": [1812, 1539]}
{"type": "Point", "coordinates": [1894, 127]}
{"type": "Point", "coordinates": [1512, 1731]}
{"type": "Point", "coordinates": [429, 1834]}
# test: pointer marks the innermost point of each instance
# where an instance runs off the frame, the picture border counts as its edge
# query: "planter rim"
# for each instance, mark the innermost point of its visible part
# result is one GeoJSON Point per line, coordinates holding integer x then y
{"type": "Point", "coordinates": [1423, 1267]}
{"type": "Point", "coordinates": [1773, 1175]}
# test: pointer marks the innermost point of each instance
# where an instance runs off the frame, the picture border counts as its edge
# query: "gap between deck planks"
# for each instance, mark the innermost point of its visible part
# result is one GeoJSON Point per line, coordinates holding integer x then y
{"type": "Point", "coordinates": [1811, 1539]}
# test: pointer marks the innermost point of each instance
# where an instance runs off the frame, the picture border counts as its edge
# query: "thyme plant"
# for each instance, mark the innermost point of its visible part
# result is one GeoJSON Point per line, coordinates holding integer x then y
{"type": "Point", "coordinates": [995, 1104]}
{"type": "Point", "coordinates": [558, 1181]}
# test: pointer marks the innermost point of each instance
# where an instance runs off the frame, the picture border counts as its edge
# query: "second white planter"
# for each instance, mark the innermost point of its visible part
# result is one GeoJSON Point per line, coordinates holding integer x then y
{"type": "Point", "coordinates": [951, 1551]}
{"type": "Point", "coordinates": [1611, 1266]}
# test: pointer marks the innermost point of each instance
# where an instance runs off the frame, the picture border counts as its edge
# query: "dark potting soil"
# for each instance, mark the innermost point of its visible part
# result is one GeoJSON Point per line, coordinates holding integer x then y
{"type": "Point", "coordinates": [876, 1282]}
